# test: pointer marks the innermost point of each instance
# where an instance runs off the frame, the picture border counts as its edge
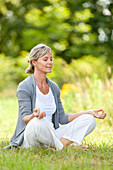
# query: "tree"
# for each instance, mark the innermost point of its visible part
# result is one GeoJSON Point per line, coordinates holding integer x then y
{"type": "Point", "coordinates": [71, 28]}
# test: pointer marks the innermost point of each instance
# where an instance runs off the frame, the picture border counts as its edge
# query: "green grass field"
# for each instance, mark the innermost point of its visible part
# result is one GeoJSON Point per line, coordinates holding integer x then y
{"type": "Point", "coordinates": [99, 156]}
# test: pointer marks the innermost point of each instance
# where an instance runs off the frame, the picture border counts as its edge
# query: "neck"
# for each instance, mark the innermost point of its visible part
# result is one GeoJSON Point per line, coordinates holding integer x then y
{"type": "Point", "coordinates": [40, 78]}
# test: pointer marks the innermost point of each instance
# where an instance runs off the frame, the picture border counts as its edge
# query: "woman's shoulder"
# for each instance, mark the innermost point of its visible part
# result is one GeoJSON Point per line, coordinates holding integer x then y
{"type": "Point", "coordinates": [25, 84]}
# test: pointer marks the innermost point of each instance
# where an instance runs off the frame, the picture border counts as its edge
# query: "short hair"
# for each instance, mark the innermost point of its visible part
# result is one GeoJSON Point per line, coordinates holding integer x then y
{"type": "Point", "coordinates": [36, 52]}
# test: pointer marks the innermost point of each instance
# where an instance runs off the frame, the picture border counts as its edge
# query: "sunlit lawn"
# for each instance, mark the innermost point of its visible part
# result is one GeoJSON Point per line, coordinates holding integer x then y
{"type": "Point", "coordinates": [99, 156]}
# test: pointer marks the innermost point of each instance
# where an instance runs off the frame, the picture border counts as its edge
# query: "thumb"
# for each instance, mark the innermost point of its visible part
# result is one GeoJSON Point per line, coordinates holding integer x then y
{"type": "Point", "coordinates": [100, 110]}
{"type": "Point", "coordinates": [37, 110]}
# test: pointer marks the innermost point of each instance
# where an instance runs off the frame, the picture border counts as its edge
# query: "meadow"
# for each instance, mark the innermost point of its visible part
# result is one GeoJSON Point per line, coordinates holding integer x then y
{"type": "Point", "coordinates": [99, 156]}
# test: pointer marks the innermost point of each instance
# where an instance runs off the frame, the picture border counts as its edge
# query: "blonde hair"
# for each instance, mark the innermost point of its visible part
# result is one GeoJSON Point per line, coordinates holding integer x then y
{"type": "Point", "coordinates": [36, 52]}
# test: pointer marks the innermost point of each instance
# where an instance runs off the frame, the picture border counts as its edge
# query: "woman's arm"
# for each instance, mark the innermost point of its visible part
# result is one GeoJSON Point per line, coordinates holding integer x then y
{"type": "Point", "coordinates": [94, 112]}
{"type": "Point", "coordinates": [25, 108]}
{"type": "Point", "coordinates": [27, 118]}
{"type": "Point", "coordinates": [36, 113]}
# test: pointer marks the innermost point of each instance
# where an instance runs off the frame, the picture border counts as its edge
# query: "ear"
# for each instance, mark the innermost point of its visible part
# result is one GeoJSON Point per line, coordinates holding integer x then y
{"type": "Point", "coordinates": [34, 63]}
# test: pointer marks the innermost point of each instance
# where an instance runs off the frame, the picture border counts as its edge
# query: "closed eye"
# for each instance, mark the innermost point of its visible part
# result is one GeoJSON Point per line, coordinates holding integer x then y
{"type": "Point", "coordinates": [45, 59]}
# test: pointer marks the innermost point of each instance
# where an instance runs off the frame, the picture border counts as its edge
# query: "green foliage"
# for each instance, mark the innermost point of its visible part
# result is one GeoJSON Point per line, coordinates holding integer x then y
{"type": "Point", "coordinates": [83, 15]}
{"type": "Point", "coordinates": [61, 73]}
{"type": "Point", "coordinates": [79, 72]}
{"type": "Point", "coordinates": [89, 65]}
{"type": "Point", "coordinates": [12, 71]}
{"type": "Point", "coordinates": [96, 95]}
{"type": "Point", "coordinates": [6, 71]}
{"type": "Point", "coordinates": [72, 29]}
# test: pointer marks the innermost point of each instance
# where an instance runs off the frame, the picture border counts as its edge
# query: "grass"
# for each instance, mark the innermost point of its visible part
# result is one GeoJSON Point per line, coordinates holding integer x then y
{"type": "Point", "coordinates": [99, 156]}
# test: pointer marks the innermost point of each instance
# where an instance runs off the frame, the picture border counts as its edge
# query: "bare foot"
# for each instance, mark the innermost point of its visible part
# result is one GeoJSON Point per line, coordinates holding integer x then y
{"type": "Point", "coordinates": [82, 147]}
{"type": "Point", "coordinates": [53, 149]}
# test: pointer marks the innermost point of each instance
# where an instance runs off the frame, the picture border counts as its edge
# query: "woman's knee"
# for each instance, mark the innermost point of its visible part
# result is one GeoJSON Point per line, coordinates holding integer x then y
{"type": "Point", "coordinates": [34, 128]}
{"type": "Point", "coordinates": [38, 123]}
{"type": "Point", "coordinates": [35, 125]}
{"type": "Point", "coordinates": [91, 120]}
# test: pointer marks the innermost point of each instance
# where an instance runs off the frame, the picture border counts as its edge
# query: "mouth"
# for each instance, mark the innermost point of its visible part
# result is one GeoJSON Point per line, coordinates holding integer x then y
{"type": "Point", "coordinates": [49, 67]}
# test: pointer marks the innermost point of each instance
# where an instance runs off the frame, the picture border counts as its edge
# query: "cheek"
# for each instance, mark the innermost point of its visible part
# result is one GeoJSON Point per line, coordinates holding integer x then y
{"type": "Point", "coordinates": [40, 64]}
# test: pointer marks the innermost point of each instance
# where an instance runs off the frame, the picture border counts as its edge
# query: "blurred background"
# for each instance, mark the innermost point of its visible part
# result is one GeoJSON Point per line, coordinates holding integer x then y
{"type": "Point", "coordinates": [80, 33]}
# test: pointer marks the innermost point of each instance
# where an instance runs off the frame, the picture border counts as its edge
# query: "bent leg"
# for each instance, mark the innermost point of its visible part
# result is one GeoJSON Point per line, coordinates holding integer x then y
{"type": "Point", "coordinates": [75, 131]}
{"type": "Point", "coordinates": [39, 133]}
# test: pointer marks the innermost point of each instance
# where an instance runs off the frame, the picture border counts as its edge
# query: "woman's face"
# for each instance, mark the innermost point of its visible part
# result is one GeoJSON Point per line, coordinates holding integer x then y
{"type": "Point", "coordinates": [44, 64]}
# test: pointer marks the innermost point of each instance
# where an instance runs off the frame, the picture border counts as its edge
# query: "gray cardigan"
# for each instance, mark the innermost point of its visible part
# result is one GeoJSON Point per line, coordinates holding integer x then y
{"type": "Point", "coordinates": [26, 94]}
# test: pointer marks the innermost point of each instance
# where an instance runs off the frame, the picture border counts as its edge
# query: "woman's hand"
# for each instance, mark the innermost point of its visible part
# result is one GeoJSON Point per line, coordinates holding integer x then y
{"type": "Point", "coordinates": [39, 114]}
{"type": "Point", "coordinates": [96, 114]}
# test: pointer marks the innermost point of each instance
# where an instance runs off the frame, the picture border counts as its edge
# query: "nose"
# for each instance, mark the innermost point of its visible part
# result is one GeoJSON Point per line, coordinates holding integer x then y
{"type": "Point", "coordinates": [50, 62]}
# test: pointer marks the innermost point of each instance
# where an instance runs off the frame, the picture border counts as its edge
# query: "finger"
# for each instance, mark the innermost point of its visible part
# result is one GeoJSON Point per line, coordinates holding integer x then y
{"type": "Point", "coordinates": [103, 116]}
{"type": "Point", "coordinates": [100, 110]}
{"type": "Point", "coordinates": [41, 115]}
{"type": "Point", "coordinates": [44, 114]}
{"type": "Point", "coordinates": [98, 116]}
{"type": "Point", "coordinates": [36, 114]}
{"type": "Point", "coordinates": [36, 110]}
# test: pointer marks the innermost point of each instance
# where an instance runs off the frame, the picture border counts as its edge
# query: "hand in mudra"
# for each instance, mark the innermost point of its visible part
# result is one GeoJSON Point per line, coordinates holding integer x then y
{"type": "Point", "coordinates": [96, 114]}
{"type": "Point", "coordinates": [39, 114]}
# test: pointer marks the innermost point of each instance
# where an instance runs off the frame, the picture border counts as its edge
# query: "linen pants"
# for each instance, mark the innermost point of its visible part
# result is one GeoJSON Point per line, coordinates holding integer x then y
{"type": "Point", "coordinates": [38, 132]}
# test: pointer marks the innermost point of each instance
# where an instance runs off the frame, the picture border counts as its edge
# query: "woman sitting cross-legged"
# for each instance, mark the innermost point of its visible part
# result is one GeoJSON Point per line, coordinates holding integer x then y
{"type": "Point", "coordinates": [41, 110]}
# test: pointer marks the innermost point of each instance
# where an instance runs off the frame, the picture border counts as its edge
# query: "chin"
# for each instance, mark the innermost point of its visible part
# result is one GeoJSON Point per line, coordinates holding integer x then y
{"type": "Point", "coordinates": [49, 71]}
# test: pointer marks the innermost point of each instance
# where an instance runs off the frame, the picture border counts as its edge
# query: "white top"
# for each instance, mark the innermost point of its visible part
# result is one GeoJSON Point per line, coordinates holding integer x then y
{"type": "Point", "coordinates": [46, 103]}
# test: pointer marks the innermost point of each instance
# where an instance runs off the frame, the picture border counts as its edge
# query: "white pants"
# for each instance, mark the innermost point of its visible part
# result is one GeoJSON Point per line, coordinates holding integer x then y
{"type": "Point", "coordinates": [38, 132]}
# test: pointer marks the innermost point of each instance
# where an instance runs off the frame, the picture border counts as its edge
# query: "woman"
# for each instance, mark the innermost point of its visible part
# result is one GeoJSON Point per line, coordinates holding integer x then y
{"type": "Point", "coordinates": [41, 110]}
